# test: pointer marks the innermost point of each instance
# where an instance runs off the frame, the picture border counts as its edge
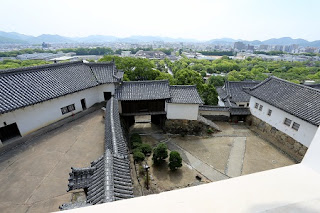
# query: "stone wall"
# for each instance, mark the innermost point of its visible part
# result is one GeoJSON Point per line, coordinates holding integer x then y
{"type": "Point", "coordinates": [281, 140]}
{"type": "Point", "coordinates": [187, 127]}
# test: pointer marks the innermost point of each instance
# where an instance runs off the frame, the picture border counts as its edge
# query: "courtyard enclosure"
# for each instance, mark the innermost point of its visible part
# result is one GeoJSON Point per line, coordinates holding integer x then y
{"type": "Point", "coordinates": [304, 134]}
{"type": "Point", "coordinates": [36, 116]}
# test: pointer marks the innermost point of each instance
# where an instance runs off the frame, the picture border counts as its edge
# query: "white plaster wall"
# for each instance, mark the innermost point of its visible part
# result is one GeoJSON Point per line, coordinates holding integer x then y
{"type": "Point", "coordinates": [220, 102]}
{"type": "Point", "coordinates": [39, 115]}
{"type": "Point", "coordinates": [204, 112]}
{"type": "Point", "coordinates": [306, 130]}
{"type": "Point", "coordinates": [182, 111]}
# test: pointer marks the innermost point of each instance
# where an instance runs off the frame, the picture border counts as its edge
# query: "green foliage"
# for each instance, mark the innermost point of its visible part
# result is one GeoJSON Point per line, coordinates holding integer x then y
{"type": "Point", "coordinates": [209, 94]}
{"type": "Point", "coordinates": [135, 140]}
{"type": "Point", "coordinates": [145, 148]}
{"type": "Point", "coordinates": [217, 53]}
{"type": "Point", "coordinates": [160, 153]}
{"type": "Point", "coordinates": [166, 76]}
{"type": "Point", "coordinates": [138, 156]}
{"type": "Point", "coordinates": [9, 64]}
{"type": "Point", "coordinates": [217, 80]}
{"type": "Point", "coordinates": [175, 160]}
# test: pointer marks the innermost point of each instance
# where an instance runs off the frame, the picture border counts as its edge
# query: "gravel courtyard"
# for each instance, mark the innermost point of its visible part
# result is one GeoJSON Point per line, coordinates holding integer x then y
{"type": "Point", "coordinates": [34, 177]}
{"type": "Point", "coordinates": [234, 151]}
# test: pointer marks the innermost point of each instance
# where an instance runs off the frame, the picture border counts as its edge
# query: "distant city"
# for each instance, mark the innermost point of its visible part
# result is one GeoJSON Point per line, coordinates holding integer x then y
{"type": "Point", "coordinates": [286, 48]}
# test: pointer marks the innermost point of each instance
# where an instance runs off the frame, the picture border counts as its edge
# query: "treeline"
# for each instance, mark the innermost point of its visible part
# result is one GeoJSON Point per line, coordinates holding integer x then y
{"type": "Point", "coordinates": [89, 51]}
{"type": "Point", "coordinates": [217, 53]}
{"type": "Point", "coordinates": [9, 64]}
{"type": "Point", "coordinates": [14, 53]}
{"type": "Point", "coordinates": [270, 52]}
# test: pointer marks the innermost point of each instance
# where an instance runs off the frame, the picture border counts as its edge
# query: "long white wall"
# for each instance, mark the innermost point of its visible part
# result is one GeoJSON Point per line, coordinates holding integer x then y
{"type": "Point", "coordinates": [305, 133]}
{"type": "Point", "coordinates": [182, 111]}
{"type": "Point", "coordinates": [39, 115]}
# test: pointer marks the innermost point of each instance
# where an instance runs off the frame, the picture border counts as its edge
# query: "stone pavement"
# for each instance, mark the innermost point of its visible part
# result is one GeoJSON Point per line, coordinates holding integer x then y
{"type": "Point", "coordinates": [235, 161]}
{"type": "Point", "coordinates": [34, 176]}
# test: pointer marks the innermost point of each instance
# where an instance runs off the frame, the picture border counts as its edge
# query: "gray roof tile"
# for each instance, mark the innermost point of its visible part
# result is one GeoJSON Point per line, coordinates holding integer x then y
{"type": "Point", "coordinates": [143, 90]}
{"type": "Point", "coordinates": [31, 85]}
{"type": "Point", "coordinates": [295, 99]}
{"type": "Point", "coordinates": [233, 90]}
{"type": "Point", "coordinates": [186, 94]}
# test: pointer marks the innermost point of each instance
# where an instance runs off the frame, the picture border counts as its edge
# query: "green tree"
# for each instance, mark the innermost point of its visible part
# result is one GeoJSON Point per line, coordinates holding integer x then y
{"type": "Point", "coordinates": [217, 80]}
{"type": "Point", "coordinates": [209, 94]}
{"type": "Point", "coordinates": [145, 149]}
{"type": "Point", "coordinates": [175, 160]}
{"type": "Point", "coordinates": [138, 156]}
{"type": "Point", "coordinates": [160, 153]}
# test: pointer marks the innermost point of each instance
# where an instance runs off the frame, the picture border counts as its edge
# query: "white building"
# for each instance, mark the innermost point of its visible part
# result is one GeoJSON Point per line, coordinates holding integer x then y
{"type": "Point", "coordinates": [291, 108]}
{"type": "Point", "coordinates": [34, 97]}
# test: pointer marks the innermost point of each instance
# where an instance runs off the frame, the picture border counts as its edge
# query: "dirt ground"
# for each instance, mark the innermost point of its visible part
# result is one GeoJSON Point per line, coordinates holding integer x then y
{"type": "Point", "coordinates": [34, 177]}
{"type": "Point", "coordinates": [213, 151]}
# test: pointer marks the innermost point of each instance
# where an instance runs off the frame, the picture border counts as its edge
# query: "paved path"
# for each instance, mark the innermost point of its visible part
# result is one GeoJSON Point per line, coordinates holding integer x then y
{"type": "Point", "coordinates": [235, 161]}
{"type": "Point", "coordinates": [205, 169]}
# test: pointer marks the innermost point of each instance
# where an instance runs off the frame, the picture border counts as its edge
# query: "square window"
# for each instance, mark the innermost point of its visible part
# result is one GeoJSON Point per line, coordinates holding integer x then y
{"type": "Point", "coordinates": [256, 105]}
{"type": "Point", "coordinates": [269, 112]}
{"type": "Point", "coordinates": [261, 107]}
{"type": "Point", "coordinates": [287, 121]}
{"type": "Point", "coordinates": [64, 110]}
{"type": "Point", "coordinates": [295, 126]}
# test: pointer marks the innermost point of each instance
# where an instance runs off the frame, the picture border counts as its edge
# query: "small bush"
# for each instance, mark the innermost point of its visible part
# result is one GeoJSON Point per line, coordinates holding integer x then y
{"type": "Point", "coordinates": [138, 156]}
{"type": "Point", "coordinates": [135, 139]}
{"type": "Point", "coordinates": [175, 160]}
{"type": "Point", "coordinates": [145, 149]}
{"type": "Point", "coordinates": [135, 145]}
{"type": "Point", "coordinates": [209, 131]}
{"type": "Point", "coordinates": [160, 153]}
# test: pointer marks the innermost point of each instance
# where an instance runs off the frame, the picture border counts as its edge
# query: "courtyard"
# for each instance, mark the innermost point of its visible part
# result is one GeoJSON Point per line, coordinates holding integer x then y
{"type": "Point", "coordinates": [234, 151]}
{"type": "Point", "coordinates": [34, 176]}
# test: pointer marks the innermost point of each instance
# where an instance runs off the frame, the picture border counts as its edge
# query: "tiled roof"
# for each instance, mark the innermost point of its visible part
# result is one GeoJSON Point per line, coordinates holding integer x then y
{"type": "Point", "coordinates": [143, 90]}
{"type": "Point", "coordinates": [186, 94]}
{"type": "Point", "coordinates": [239, 111]}
{"type": "Point", "coordinates": [105, 72]}
{"type": "Point", "coordinates": [109, 177]}
{"type": "Point", "coordinates": [213, 108]}
{"type": "Point", "coordinates": [233, 90]}
{"type": "Point", "coordinates": [295, 99]}
{"type": "Point", "coordinates": [31, 85]}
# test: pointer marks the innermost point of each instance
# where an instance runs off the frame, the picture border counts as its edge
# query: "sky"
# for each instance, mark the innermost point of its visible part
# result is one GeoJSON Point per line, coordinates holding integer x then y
{"type": "Point", "coordinates": [197, 19]}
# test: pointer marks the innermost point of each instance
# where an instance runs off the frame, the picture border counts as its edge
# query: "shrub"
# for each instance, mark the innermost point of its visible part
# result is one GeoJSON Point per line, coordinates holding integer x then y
{"type": "Point", "coordinates": [138, 156]}
{"type": "Point", "coordinates": [135, 138]}
{"type": "Point", "coordinates": [136, 145]}
{"type": "Point", "coordinates": [160, 153]}
{"type": "Point", "coordinates": [175, 160]}
{"type": "Point", "coordinates": [145, 148]}
{"type": "Point", "coordinates": [209, 131]}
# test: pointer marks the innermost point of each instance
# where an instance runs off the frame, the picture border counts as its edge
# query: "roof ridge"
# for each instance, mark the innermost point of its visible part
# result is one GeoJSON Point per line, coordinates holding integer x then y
{"type": "Point", "coordinates": [183, 85]}
{"type": "Point", "coordinates": [44, 66]}
{"type": "Point", "coordinates": [148, 81]}
{"type": "Point", "coordinates": [285, 81]}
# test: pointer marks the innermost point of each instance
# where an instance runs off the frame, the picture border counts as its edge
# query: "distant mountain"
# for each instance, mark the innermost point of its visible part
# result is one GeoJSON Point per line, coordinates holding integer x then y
{"type": "Point", "coordinates": [285, 41]}
{"type": "Point", "coordinates": [49, 39]}
{"type": "Point", "coordinates": [6, 40]}
{"type": "Point", "coordinates": [17, 38]}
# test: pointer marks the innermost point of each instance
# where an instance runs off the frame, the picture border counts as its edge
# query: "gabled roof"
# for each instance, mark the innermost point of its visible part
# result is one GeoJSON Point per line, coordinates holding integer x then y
{"type": "Point", "coordinates": [233, 90]}
{"type": "Point", "coordinates": [105, 72]}
{"type": "Point", "coordinates": [295, 99]}
{"type": "Point", "coordinates": [143, 90]}
{"type": "Point", "coordinates": [185, 94]}
{"type": "Point", "coordinates": [31, 85]}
